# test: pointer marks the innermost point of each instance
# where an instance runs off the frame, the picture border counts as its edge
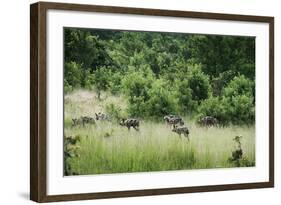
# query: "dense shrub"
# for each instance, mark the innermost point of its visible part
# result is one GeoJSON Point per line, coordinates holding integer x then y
{"type": "Point", "coordinates": [73, 74]}
{"type": "Point", "coordinates": [218, 83]}
{"type": "Point", "coordinates": [67, 88]}
{"type": "Point", "coordinates": [162, 73]}
{"type": "Point", "coordinates": [137, 107]}
{"type": "Point", "coordinates": [135, 85]}
{"type": "Point", "coordinates": [239, 97]}
{"type": "Point", "coordinates": [217, 54]}
{"type": "Point", "coordinates": [101, 78]}
{"type": "Point", "coordinates": [199, 84]}
{"type": "Point", "coordinates": [240, 109]}
{"type": "Point", "coordinates": [89, 80]}
{"type": "Point", "coordinates": [147, 96]}
{"type": "Point", "coordinates": [236, 106]}
{"type": "Point", "coordinates": [70, 150]}
{"type": "Point", "coordinates": [161, 101]}
{"type": "Point", "coordinates": [85, 49]}
{"type": "Point", "coordinates": [184, 96]}
{"type": "Point", "coordinates": [192, 87]}
{"type": "Point", "coordinates": [214, 107]}
{"type": "Point", "coordinates": [240, 85]}
{"type": "Point", "coordinates": [115, 82]}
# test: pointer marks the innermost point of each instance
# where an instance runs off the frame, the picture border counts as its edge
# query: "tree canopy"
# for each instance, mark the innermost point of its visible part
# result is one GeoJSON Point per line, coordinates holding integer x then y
{"type": "Point", "coordinates": [162, 73]}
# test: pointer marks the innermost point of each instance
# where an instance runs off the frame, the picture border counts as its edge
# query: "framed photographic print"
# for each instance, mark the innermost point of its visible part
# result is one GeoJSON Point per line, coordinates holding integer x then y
{"type": "Point", "coordinates": [133, 102]}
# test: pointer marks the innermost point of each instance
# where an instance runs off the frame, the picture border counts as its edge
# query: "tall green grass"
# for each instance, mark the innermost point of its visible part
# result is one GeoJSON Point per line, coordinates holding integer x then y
{"type": "Point", "coordinates": [106, 147]}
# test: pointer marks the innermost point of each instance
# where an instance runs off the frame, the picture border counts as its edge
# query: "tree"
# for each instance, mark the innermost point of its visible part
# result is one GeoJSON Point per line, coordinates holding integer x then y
{"type": "Point", "coordinates": [73, 74]}
{"type": "Point", "coordinates": [240, 85]}
{"type": "Point", "coordinates": [135, 86]}
{"type": "Point", "coordinates": [218, 83]}
{"type": "Point", "coordinates": [160, 73]}
{"type": "Point", "coordinates": [184, 96]}
{"type": "Point", "coordinates": [236, 105]}
{"type": "Point", "coordinates": [84, 48]}
{"type": "Point", "coordinates": [239, 96]}
{"type": "Point", "coordinates": [221, 53]}
{"type": "Point", "coordinates": [215, 107]}
{"type": "Point", "coordinates": [101, 79]}
{"type": "Point", "coordinates": [161, 101]}
{"type": "Point", "coordinates": [198, 83]}
{"type": "Point", "coordinates": [240, 109]}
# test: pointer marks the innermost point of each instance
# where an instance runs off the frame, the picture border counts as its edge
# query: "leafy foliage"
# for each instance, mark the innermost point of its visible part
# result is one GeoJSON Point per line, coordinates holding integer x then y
{"type": "Point", "coordinates": [101, 79]}
{"type": "Point", "coordinates": [71, 150]}
{"type": "Point", "coordinates": [114, 111]}
{"type": "Point", "coordinates": [215, 107]}
{"type": "Point", "coordinates": [136, 85]}
{"type": "Point", "coordinates": [72, 74]}
{"type": "Point", "coordinates": [222, 53]}
{"type": "Point", "coordinates": [162, 73]}
{"type": "Point", "coordinates": [161, 101]}
{"type": "Point", "coordinates": [236, 105]}
{"type": "Point", "coordinates": [240, 85]}
{"type": "Point", "coordinates": [184, 95]}
{"type": "Point", "coordinates": [199, 84]}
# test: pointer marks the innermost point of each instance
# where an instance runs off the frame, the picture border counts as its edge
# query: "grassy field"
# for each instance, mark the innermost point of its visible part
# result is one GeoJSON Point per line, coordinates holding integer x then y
{"type": "Point", "coordinates": [106, 147]}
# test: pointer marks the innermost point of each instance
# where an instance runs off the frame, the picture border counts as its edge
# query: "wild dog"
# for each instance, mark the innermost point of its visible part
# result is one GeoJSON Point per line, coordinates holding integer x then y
{"type": "Point", "coordinates": [88, 120]}
{"type": "Point", "coordinates": [237, 154]}
{"type": "Point", "coordinates": [130, 123]}
{"type": "Point", "coordinates": [173, 120]}
{"type": "Point", "coordinates": [181, 130]}
{"type": "Point", "coordinates": [72, 140]}
{"type": "Point", "coordinates": [208, 121]}
{"type": "Point", "coordinates": [101, 116]}
{"type": "Point", "coordinates": [82, 121]}
{"type": "Point", "coordinates": [77, 121]}
{"type": "Point", "coordinates": [168, 117]}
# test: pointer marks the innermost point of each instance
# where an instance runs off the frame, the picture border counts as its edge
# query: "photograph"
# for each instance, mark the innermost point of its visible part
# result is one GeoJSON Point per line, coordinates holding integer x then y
{"type": "Point", "coordinates": [143, 101]}
{"type": "Point", "coordinates": [140, 101]}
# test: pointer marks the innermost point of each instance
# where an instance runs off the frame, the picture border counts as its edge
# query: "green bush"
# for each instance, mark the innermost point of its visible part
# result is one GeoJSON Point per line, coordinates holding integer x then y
{"type": "Point", "coordinates": [114, 111]}
{"type": "Point", "coordinates": [67, 88]}
{"type": "Point", "coordinates": [137, 107]}
{"type": "Point", "coordinates": [115, 83]}
{"type": "Point", "coordinates": [73, 74]}
{"type": "Point", "coordinates": [239, 97]}
{"type": "Point", "coordinates": [221, 81]}
{"type": "Point", "coordinates": [184, 96]}
{"type": "Point", "coordinates": [101, 79]}
{"type": "Point", "coordinates": [147, 96]}
{"type": "Point", "coordinates": [89, 80]}
{"type": "Point", "coordinates": [240, 109]}
{"type": "Point", "coordinates": [192, 88]}
{"type": "Point", "coordinates": [236, 105]}
{"type": "Point", "coordinates": [135, 85]}
{"type": "Point", "coordinates": [239, 85]}
{"type": "Point", "coordinates": [161, 101]}
{"type": "Point", "coordinates": [199, 84]}
{"type": "Point", "coordinates": [162, 73]}
{"type": "Point", "coordinates": [214, 107]}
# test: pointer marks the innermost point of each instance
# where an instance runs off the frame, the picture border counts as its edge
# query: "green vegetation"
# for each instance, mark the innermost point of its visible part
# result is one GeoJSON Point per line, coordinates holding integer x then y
{"type": "Point", "coordinates": [147, 75]}
{"type": "Point", "coordinates": [163, 73]}
{"type": "Point", "coordinates": [106, 147]}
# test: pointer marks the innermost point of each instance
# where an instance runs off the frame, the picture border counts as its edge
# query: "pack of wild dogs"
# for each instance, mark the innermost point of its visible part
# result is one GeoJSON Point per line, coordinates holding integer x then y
{"type": "Point", "coordinates": [176, 123]}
